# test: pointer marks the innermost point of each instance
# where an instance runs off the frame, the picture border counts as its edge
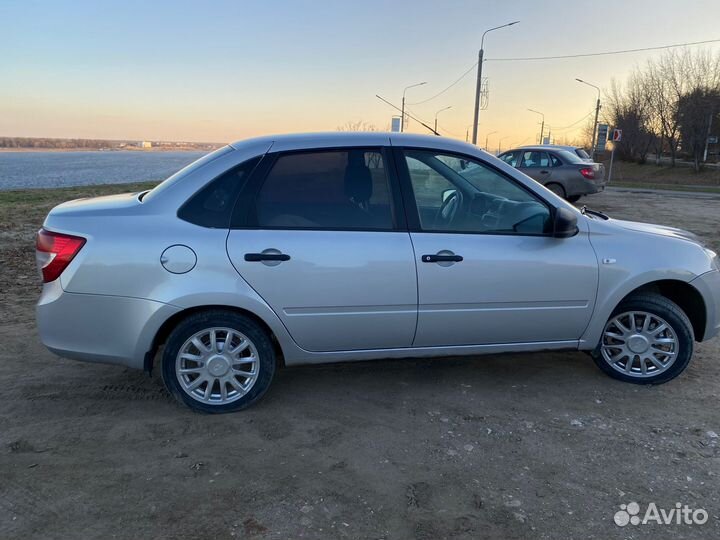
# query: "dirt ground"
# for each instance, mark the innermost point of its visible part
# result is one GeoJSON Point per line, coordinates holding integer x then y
{"type": "Point", "coordinates": [514, 446]}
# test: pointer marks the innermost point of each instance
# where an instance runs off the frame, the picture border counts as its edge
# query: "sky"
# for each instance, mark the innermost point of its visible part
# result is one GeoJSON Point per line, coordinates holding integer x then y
{"type": "Point", "coordinates": [222, 70]}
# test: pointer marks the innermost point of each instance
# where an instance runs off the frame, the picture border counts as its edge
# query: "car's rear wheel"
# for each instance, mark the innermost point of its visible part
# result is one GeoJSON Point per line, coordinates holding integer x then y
{"type": "Point", "coordinates": [218, 361]}
{"type": "Point", "coordinates": [557, 189]}
{"type": "Point", "coordinates": [647, 340]}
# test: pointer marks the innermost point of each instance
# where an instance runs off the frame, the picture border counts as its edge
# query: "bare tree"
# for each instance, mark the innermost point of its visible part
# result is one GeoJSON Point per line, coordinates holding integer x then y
{"type": "Point", "coordinates": [666, 104]}
{"type": "Point", "coordinates": [697, 112]}
{"type": "Point", "coordinates": [628, 110]}
{"type": "Point", "coordinates": [359, 125]}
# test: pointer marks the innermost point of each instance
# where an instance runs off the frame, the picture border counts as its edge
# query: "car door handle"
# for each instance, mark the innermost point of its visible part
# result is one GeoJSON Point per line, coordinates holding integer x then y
{"type": "Point", "coordinates": [441, 258]}
{"type": "Point", "coordinates": [259, 257]}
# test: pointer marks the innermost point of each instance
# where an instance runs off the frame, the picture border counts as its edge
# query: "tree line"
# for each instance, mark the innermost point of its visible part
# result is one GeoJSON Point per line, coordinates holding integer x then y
{"type": "Point", "coordinates": [671, 105]}
{"type": "Point", "coordinates": [38, 142]}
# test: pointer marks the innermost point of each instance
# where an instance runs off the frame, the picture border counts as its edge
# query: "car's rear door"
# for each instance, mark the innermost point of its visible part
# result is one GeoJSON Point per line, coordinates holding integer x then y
{"type": "Point", "coordinates": [536, 164]}
{"type": "Point", "coordinates": [321, 236]}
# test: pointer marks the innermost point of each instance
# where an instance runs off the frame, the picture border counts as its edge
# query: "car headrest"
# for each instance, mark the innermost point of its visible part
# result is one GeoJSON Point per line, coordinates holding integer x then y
{"type": "Point", "coordinates": [358, 179]}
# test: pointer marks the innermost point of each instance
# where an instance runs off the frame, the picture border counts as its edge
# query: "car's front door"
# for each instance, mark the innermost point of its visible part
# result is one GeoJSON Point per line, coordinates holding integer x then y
{"type": "Point", "coordinates": [488, 271]}
{"type": "Point", "coordinates": [319, 240]}
{"type": "Point", "coordinates": [536, 165]}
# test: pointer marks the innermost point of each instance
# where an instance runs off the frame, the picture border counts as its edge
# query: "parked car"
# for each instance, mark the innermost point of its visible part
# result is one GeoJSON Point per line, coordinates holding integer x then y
{"type": "Point", "coordinates": [561, 171]}
{"type": "Point", "coordinates": [577, 150]}
{"type": "Point", "coordinates": [306, 249]}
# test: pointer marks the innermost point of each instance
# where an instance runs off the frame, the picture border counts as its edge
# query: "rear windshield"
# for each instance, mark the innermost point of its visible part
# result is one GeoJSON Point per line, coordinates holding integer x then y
{"type": "Point", "coordinates": [582, 153]}
{"type": "Point", "coordinates": [207, 158]}
{"type": "Point", "coordinates": [569, 157]}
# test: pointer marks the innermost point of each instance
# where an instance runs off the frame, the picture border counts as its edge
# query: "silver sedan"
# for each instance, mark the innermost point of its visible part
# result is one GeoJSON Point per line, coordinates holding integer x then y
{"type": "Point", "coordinates": [306, 249]}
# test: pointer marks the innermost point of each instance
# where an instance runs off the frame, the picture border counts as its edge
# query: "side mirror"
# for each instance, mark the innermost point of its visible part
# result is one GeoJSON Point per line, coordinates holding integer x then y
{"type": "Point", "coordinates": [565, 224]}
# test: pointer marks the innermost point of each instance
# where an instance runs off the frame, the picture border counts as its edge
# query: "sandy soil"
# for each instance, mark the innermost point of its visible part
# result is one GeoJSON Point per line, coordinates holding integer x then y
{"type": "Point", "coordinates": [514, 446]}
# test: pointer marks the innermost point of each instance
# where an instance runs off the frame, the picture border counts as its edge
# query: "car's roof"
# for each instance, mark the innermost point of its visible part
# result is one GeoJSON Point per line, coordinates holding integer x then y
{"type": "Point", "coordinates": [359, 138]}
{"type": "Point", "coordinates": [551, 147]}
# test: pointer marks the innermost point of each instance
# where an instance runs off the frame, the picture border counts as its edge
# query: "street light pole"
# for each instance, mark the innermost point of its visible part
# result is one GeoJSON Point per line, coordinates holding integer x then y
{"type": "Point", "coordinates": [542, 126]}
{"type": "Point", "coordinates": [436, 115]}
{"type": "Point", "coordinates": [402, 117]}
{"type": "Point", "coordinates": [597, 113]}
{"type": "Point", "coordinates": [479, 79]}
{"type": "Point", "coordinates": [500, 142]}
{"type": "Point", "coordinates": [487, 136]}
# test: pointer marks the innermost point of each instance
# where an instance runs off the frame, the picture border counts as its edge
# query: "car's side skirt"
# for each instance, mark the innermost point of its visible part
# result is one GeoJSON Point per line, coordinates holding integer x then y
{"type": "Point", "coordinates": [426, 352]}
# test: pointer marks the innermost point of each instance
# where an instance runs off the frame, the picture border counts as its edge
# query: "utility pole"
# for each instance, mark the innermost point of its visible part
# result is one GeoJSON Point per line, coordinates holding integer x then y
{"type": "Point", "coordinates": [402, 113]}
{"type": "Point", "coordinates": [436, 115]}
{"type": "Point", "coordinates": [707, 137]}
{"type": "Point", "coordinates": [597, 114]}
{"type": "Point", "coordinates": [479, 79]}
{"type": "Point", "coordinates": [467, 133]}
{"type": "Point", "coordinates": [542, 126]}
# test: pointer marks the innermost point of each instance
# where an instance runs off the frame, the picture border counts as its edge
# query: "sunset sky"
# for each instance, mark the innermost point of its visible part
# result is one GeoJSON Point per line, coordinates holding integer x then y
{"type": "Point", "coordinates": [226, 70]}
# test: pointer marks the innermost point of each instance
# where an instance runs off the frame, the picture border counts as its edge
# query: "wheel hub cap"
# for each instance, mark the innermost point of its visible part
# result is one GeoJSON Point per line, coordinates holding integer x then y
{"type": "Point", "coordinates": [638, 344]}
{"type": "Point", "coordinates": [218, 366]}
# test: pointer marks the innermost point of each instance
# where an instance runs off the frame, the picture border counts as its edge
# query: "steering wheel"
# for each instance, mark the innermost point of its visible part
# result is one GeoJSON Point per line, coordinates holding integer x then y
{"type": "Point", "coordinates": [449, 208]}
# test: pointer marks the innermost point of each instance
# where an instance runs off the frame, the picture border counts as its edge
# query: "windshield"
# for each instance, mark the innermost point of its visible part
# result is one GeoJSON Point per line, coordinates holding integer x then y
{"type": "Point", "coordinates": [207, 158]}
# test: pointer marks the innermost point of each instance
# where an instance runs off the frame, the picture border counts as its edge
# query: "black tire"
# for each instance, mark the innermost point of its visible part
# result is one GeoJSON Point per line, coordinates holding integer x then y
{"type": "Point", "coordinates": [219, 319]}
{"type": "Point", "coordinates": [574, 198]}
{"type": "Point", "coordinates": [556, 188]}
{"type": "Point", "coordinates": [655, 304]}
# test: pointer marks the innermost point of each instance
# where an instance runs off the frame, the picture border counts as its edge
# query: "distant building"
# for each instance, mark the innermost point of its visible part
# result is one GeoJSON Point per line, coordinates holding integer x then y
{"type": "Point", "coordinates": [145, 144]}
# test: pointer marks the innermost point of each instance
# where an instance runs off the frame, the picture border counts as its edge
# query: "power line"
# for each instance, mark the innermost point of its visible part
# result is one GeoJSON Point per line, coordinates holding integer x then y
{"type": "Point", "coordinates": [565, 128]}
{"type": "Point", "coordinates": [582, 55]}
{"type": "Point", "coordinates": [441, 92]}
{"type": "Point", "coordinates": [406, 114]}
{"type": "Point", "coordinates": [605, 53]}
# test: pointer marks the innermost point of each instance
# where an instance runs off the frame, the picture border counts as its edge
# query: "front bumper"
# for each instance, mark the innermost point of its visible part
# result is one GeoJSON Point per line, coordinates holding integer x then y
{"type": "Point", "coordinates": [99, 328]}
{"type": "Point", "coordinates": [709, 286]}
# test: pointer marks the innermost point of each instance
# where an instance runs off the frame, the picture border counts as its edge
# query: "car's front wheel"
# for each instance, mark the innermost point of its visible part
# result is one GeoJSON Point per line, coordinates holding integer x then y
{"type": "Point", "coordinates": [648, 340]}
{"type": "Point", "coordinates": [218, 361]}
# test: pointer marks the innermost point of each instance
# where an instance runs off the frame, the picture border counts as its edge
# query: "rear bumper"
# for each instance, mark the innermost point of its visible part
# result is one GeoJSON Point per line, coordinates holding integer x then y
{"type": "Point", "coordinates": [98, 328]}
{"type": "Point", "coordinates": [709, 286]}
{"type": "Point", "coordinates": [585, 187]}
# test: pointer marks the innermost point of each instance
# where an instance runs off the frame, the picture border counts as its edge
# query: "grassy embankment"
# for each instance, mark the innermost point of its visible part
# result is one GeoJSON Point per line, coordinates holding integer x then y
{"type": "Point", "coordinates": [33, 204]}
{"type": "Point", "coordinates": [671, 178]}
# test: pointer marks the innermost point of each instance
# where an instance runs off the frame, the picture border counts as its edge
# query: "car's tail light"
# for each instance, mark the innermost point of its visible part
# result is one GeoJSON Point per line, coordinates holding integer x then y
{"type": "Point", "coordinates": [54, 251]}
{"type": "Point", "coordinates": [588, 172]}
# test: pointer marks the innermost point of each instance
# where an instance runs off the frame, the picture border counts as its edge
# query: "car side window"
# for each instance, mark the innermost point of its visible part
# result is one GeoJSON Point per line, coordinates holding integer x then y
{"type": "Point", "coordinates": [212, 206]}
{"type": "Point", "coordinates": [336, 189]}
{"type": "Point", "coordinates": [555, 161]}
{"type": "Point", "coordinates": [511, 158]}
{"type": "Point", "coordinates": [533, 158]}
{"type": "Point", "coordinates": [459, 194]}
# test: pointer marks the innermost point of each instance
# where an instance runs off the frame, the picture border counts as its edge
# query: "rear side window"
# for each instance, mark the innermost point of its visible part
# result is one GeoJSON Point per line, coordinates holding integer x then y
{"type": "Point", "coordinates": [555, 161]}
{"type": "Point", "coordinates": [212, 206]}
{"type": "Point", "coordinates": [343, 189]}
